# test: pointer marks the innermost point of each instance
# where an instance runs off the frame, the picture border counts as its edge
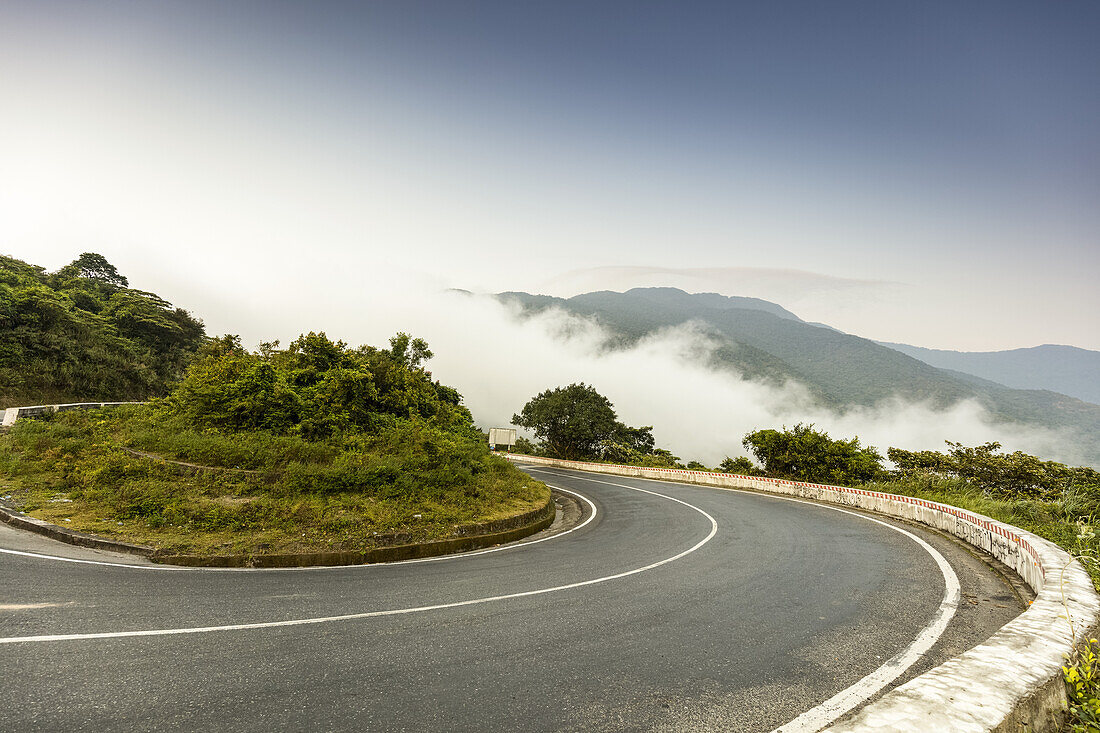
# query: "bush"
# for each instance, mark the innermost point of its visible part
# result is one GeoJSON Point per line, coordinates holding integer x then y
{"type": "Point", "coordinates": [1012, 474]}
{"type": "Point", "coordinates": [741, 466]}
{"type": "Point", "coordinates": [805, 454]}
{"type": "Point", "coordinates": [316, 388]}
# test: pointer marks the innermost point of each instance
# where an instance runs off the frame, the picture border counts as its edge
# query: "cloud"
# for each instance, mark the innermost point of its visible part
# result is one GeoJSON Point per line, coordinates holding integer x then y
{"type": "Point", "coordinates": [499, 361]}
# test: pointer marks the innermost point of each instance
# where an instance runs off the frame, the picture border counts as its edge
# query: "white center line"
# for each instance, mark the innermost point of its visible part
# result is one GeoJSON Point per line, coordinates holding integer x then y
{"type": "Point", "coordinates": [393, 612]}
{"type": "Point", "coordinates": [852, 697]}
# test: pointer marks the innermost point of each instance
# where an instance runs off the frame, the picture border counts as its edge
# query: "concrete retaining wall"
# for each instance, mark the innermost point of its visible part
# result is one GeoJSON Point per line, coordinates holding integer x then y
{"type": "Point", "coordinates": [14, 413]}
{"type": "Point", "coordinates": [1013, 681]}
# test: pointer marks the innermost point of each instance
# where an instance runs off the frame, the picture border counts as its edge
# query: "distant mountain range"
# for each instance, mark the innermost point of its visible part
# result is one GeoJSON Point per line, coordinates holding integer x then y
{"type": "Point", "coordinates": [764, 341]}
{"type": "Point", "coordinates": [1066, 369]}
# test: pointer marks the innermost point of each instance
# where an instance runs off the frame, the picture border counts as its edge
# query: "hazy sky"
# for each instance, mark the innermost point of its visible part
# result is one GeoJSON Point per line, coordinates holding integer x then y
{"type": "Point", "coordinates": [921, 172]}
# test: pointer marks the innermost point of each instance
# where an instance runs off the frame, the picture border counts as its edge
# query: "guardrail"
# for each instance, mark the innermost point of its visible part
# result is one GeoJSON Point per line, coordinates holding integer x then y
{"type": "Point", "coordinates": [1012, 681]}
{"type": "Point", "coordinates": [12, 414]}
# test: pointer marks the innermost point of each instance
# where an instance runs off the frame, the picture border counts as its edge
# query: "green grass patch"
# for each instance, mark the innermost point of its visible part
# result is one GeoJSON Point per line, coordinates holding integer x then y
{"type": "Point", "coordinates": [1066, 521]}
{"type": "Point", "coordinates": [408, 481]}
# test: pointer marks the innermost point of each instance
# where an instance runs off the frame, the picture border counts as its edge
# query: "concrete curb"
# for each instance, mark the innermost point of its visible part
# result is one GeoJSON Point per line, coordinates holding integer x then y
{"type": "Point", "coordinates": [482, 535]}
{"type": "Point", "coordinates": [1011, 682]}
{"type": "Point", "coordinates": [474, 537]}
{"type": "Point", "coordinates": [12, 414]}
{"type": "Point", "coordinates": [68, 536]}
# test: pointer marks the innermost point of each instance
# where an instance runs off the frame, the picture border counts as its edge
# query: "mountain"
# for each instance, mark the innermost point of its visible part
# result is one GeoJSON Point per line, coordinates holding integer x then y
{"type": "Point", "coordinates": [766, 342]}
{"type": "Point", "coordinates": [1066, 369]}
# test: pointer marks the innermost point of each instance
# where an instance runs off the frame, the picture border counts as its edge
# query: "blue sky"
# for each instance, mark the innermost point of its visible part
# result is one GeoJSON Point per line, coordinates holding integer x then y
{"type": "Point", "coordinates": [918, 172]}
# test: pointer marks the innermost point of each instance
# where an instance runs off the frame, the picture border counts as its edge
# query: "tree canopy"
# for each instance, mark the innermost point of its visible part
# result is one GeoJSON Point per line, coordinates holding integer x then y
{"type": "Point", "coordinates": [81, 334]}
{"type": "Point", "coordinates": [811, 455]}
{"type": "Point", "coordinates": [1014, 474]}
{"type": "Point", "coordinates": [579, 423]}
{"type": "Point", "coordinates": [315, 388]}
{"type": "Point", "coordinates": [92, 266]}
{"type": "Point", "coordinates": [574, 421]}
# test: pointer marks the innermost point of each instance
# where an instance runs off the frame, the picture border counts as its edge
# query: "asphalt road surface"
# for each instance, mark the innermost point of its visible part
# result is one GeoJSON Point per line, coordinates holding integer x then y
{"type": "Point", "coordinates": [668, 607]}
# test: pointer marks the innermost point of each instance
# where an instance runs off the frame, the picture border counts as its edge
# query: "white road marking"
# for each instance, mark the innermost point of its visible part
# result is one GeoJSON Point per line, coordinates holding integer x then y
{"type": "Point", "coordinates": [58, 558]}
{"type": "Point", "coordinates": [437, 558]}
{"type": "Point", "coordinates": [851, 697]}
{"type": "Point", "coordinates": [31, 606]}
{"type": "Point", "coordinates": [393, 612]}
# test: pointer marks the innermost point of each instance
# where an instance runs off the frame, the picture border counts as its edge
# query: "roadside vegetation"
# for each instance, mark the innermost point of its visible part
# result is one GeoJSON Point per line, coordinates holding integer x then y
{"type": "Point", "coordinates": [81, 334]}
{"type": "Point", "coordinates": [321, 447]}
{"type": "Point", "coordinates": [578, 423]}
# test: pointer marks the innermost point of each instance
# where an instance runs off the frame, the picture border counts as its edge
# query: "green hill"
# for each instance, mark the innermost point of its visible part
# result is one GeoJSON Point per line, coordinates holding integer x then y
{"type": "Point", "coordinates": [81, 334]}
{"type": "Point", "coordinates": [841, 370]}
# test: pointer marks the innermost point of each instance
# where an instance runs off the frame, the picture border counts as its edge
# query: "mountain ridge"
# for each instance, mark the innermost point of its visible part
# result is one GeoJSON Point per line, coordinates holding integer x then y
{"type": "Point", "coordinates": [841, 370]}
{"type": "Point", "coordinates": [1070, 370]}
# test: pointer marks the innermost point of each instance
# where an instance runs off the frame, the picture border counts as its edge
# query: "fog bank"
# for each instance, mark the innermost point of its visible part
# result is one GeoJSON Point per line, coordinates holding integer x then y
{"type": "Point", "coordinates": [498, 361]}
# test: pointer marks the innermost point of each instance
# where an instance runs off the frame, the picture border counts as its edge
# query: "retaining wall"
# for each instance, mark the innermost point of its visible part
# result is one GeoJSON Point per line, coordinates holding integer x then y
{"type": "Point", "coordinates": [1013, 681]}
{"type": "Point", "coordinates": [14, 413]}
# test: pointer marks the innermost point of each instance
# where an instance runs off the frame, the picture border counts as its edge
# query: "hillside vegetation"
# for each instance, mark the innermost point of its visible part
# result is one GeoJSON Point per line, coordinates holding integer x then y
{"type": "Point", "coordinates": [81, 334]}
{"type": "Point", "coordinates": [322, 446]}
{"type": "Point", "coordinates": [839, 369]}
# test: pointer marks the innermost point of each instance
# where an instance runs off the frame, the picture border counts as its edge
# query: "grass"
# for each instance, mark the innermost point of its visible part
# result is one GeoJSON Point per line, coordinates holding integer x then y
{"type": "Point", "coordinates": [410, 482]}
{"type": "Point", "coordinates": [1067, 522]}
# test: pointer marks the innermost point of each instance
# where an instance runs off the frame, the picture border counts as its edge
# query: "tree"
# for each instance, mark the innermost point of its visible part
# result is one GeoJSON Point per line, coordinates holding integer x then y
{"type": "Point", "coordinates": [92, 266]}
{"type": "Point", "coordinates": [1013, 474]}
{"type": "Point", "coordinates": [811, 455]}
{"type": "Point", "coordinates": [316, 387]}
{"type": "Point", "coordinates": [78, 335]}
{"type": "Point", "coordinates": [409, 351]}
{"type": "Point", "coordinates": [525, 446]}
{"type": "Point", "coordinates": [574, 421]}
{"type": "Point", "coordinates": [741, 466]}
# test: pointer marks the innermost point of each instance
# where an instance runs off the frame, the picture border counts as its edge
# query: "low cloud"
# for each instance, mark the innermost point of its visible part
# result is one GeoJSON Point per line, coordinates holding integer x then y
{"type": "Point", "coordinates": [499, 361]}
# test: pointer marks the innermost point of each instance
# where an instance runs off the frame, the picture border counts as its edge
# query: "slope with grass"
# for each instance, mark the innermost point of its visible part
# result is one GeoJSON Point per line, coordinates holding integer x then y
{"type": "Point", "coordinates": [325, 448]}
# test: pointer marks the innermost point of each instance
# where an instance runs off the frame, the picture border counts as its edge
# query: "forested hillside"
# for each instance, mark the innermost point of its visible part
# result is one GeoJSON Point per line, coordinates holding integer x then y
{"type": "Point", "coordinates": [81, 334]}
{"type": "Point", "coordinates": [840, 369]}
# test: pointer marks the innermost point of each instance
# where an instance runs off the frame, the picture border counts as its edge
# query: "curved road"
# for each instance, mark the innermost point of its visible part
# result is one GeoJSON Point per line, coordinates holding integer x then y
{"type": "Point", "coordinates": [671, 608]}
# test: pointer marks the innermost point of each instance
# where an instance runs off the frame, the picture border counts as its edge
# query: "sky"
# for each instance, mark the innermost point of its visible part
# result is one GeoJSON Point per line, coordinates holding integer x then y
{"type": "Point", "coordinates": [926, 173]}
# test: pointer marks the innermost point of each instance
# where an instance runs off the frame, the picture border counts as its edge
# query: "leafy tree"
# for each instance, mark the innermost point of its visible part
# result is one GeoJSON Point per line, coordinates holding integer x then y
{"type": "Point", "coordinates": [811, 455]}
{"type": "Point", "coordinates": [577, 422]}
{"type": "Point", "coordinates": [574, 421]}
{"type": "Point", "coordinates": [741, 466]}
{"type": "Point", "coordinates": [696, 466]}
{"type": "Point", "coordinates": [912, 462]}
{"type": "Point", "coordinates": [659, 458]}
{"type": "Point", "coordinates": [1013, 474]}
{"type": "Point", "coordinates": [628, 445]}
{"type": "Point", "coordinates": [80, 334]}
{"type": "Point", "coordinates": [92, 266]}
{"type": "Point", "coordinates": [524, 446]}
{"type": "Point", "coordinates": [408, 350]}
{"type": "Point", "coordinates": [315, 388]}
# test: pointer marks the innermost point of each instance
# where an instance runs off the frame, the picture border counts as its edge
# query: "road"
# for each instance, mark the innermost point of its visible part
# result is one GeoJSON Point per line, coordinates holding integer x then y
{"type": "Point", "coordinates": [671, 607]}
